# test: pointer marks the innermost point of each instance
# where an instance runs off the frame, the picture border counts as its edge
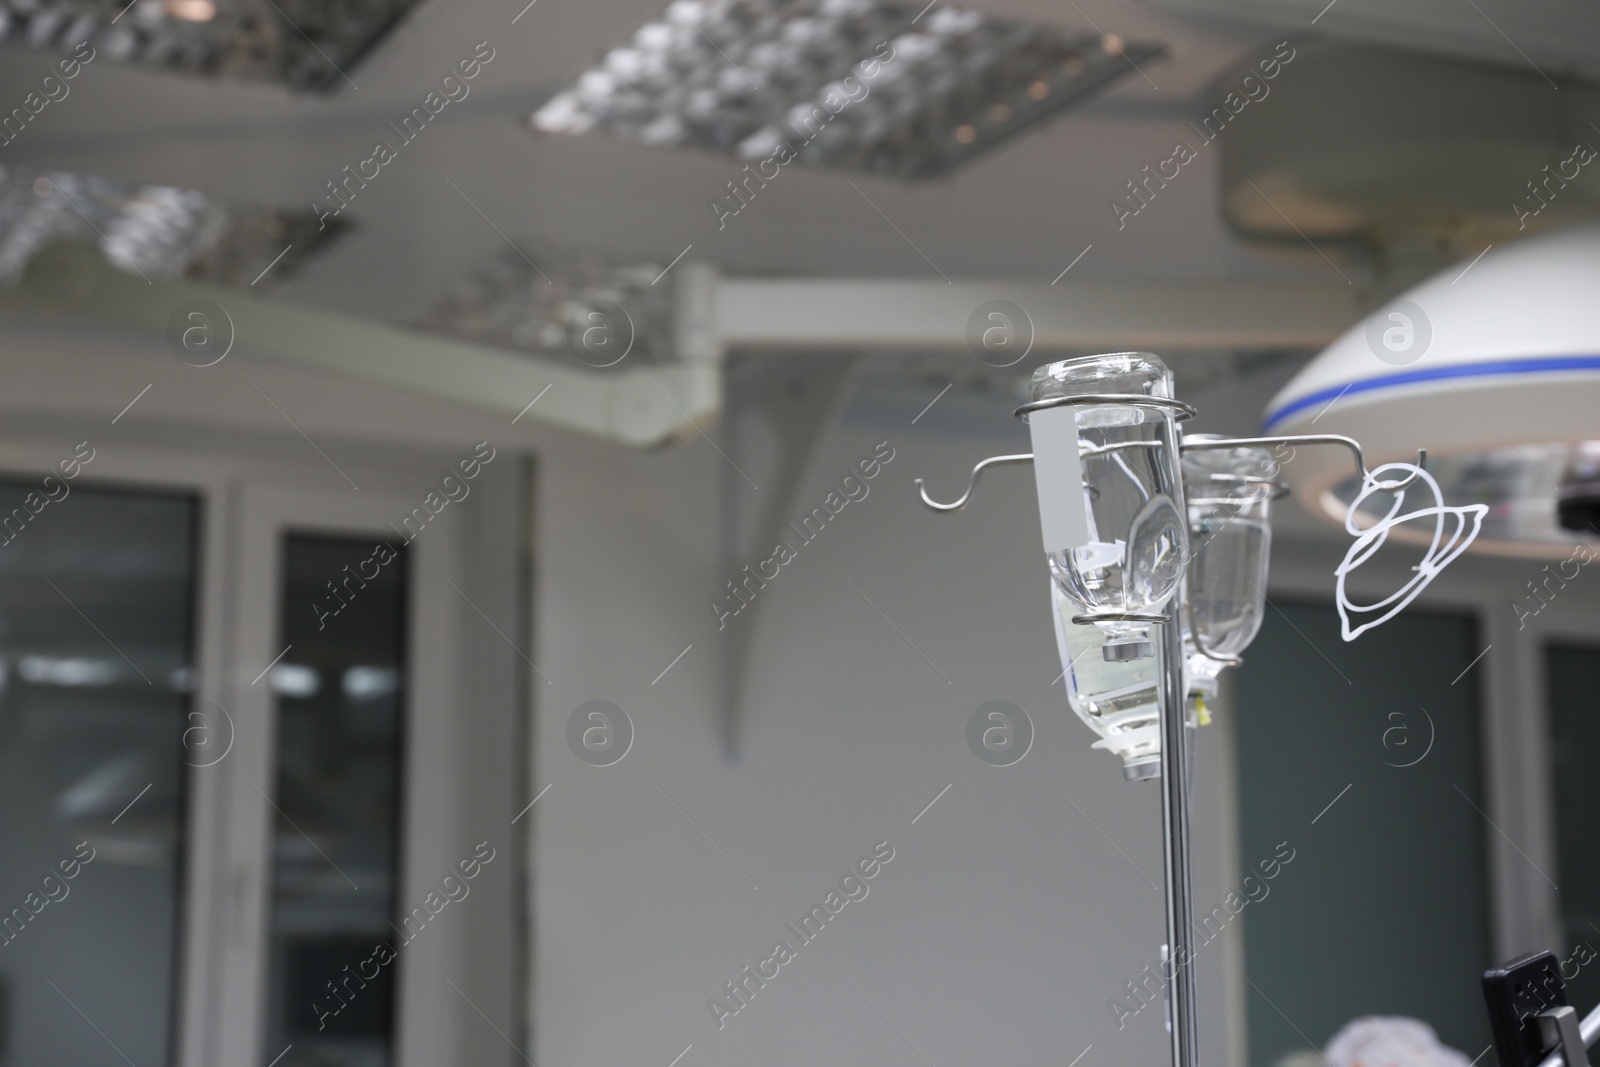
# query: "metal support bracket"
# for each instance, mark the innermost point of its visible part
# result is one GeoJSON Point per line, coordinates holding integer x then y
{"type": "Point", "coordinates": [1559, 1028]}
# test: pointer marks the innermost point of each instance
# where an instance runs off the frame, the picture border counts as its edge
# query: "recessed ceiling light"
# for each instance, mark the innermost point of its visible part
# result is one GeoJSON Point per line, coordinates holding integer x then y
{"type": "Point", "coordinates": [157, 231]}
{"type": "Point", "coordinates": [190, 10]}
{"type": "Point", "coordinates": [307, 47]}
{"type": "Point", "coordinates": [549, 307]}
{"type": "Point", "coordinates": [842, 83]}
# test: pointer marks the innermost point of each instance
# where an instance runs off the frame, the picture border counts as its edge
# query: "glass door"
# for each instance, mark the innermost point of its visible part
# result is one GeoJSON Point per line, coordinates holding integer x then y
{"type": "Point", "coordinates": [97, 672]}
{"type": "Point", "coordinates": [337, 796]}
{"type": "Point", "coordinates": [257, 748]}
{"type": "Point", "coordinates": [342, 692]}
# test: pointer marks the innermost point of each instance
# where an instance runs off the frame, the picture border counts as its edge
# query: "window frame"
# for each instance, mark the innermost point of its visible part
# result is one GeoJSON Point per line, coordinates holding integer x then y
{"type": "Point", "coordinates": [425, 1031]}
{"type": "Point", "coordinates": [244, 508]}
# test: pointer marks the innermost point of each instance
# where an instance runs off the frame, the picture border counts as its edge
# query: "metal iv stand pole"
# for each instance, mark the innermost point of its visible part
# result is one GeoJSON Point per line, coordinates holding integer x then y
{"type": "Point", "coordinates": [1176, 773]}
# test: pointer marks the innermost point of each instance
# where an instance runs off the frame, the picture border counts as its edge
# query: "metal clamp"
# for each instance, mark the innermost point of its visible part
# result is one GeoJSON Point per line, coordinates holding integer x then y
{"type": "Point", "coordinates": [1180, 410]}
{"type": "Point", "coordinates": [1121, 616]}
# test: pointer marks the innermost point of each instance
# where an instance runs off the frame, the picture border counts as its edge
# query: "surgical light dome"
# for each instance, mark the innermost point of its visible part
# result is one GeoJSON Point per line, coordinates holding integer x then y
{"type": "Point", "coordinates": [1494, 368]}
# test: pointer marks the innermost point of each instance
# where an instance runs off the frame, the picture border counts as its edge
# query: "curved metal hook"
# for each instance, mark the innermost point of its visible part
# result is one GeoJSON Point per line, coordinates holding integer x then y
{"type": "Point", "coordinates": [1220, 657]}
{"type": "Point", "coordinates": [972, 481]}
{"type": "Point", "coordinates": [1315, 439]}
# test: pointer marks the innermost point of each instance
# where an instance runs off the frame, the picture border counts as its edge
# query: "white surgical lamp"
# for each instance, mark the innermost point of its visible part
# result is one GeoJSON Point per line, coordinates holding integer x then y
{"type": "Point", "coordinates": [1495, 367]}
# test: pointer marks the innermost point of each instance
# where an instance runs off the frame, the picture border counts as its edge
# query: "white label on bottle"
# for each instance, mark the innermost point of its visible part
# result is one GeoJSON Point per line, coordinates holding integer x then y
{"type": "Point", "coordinates": [1058, 477]}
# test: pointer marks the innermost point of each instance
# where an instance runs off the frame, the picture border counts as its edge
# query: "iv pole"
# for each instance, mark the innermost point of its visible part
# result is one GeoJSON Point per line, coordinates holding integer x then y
{"type": "Point", "coordinates": [1176, 769]}
{"type": "Point", "coordinates": [1176, 773]}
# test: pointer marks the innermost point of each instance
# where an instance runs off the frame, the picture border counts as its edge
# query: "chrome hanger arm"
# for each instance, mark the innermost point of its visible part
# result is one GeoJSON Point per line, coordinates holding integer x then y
{"type": "Point", "coordinates": [972, 481]}
{"type": "Point", "coordinates": [1314, 439]}
{"type": "Point", "coordinates": [1230, 442]}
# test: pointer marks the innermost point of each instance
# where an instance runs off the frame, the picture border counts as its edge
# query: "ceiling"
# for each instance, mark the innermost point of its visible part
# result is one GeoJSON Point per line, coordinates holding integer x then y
{"type": "Point", "coordinates": [1558, 38]}
{"type": "Point", "coordinates": [1025, 211]}
{"type": "Point", "coordinates": [478, 176]}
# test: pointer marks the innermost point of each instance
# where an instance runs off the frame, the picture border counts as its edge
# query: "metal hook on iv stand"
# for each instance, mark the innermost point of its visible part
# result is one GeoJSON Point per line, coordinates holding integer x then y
{"type": "Point", "coordinates": [1188, 446]}
{"type": "Point", "coordinates": [1183, 1022]}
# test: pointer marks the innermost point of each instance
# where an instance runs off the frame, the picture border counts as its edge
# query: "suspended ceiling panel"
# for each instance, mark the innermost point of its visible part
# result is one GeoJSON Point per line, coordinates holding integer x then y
{"type": "Point", "coordinates": [844, 83]}
{"type": "Point", "coordinates": [1555, 37]}
{"type": "Point", "coordinates": [306, 45]}
{"type": "Point", "coordinates": [479, 183]}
